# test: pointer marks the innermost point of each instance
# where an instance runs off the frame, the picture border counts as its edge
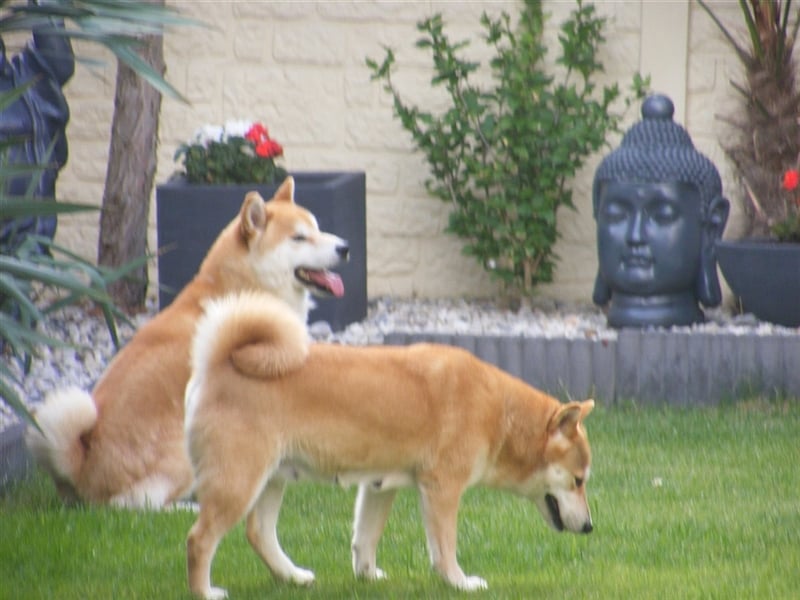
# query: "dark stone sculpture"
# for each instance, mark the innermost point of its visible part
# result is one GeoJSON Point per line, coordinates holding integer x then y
{"type": "Point", "coordinates": [37, 120]}
{"type": "Point", "coordinates": [659, 210]}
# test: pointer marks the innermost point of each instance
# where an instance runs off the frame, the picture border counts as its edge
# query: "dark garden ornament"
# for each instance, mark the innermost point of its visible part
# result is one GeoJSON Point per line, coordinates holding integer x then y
{"type": "Point", "coordinates": [659, 210]}
{"type": "Point", "coordinates": [33, 127]}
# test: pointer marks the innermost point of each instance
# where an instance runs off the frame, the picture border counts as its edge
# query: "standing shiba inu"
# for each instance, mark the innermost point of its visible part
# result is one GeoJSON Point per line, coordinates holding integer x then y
{"type": "Point", "coordinates": [429, 416]}
{"type": "Point", "coordinates": [123, 443]}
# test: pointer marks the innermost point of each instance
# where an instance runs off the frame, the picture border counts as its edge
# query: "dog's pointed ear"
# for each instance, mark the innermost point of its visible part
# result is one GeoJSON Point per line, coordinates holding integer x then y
{"type": "Point", "coordinates": [285, 192]}
{"type": "Point", "coordinates": [586, 408]}
{"type": "Point", "coordinates": [569, 417]}
{"type": "Point", "coordinates": [253, 216]}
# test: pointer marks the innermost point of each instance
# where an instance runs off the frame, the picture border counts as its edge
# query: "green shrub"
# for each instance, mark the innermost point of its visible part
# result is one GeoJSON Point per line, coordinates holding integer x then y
{"type": "Point", "coordinates": [504, 157]}
{"type": "Point", "coordinates": [60, 277]}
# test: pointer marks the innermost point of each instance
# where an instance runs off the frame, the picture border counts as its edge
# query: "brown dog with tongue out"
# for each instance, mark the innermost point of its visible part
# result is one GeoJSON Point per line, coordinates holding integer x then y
{"type": "Point", "coordinates": [123, 444]}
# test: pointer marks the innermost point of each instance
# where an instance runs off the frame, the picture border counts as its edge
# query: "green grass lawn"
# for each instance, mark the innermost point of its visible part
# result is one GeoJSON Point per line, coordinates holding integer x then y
{"type": "Point", "coordinates": [701, 503]}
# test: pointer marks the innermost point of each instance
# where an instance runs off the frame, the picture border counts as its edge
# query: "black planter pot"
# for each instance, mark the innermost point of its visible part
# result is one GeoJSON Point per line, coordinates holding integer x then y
{"type": "Point", "coordinates": [765, 276]}
{"type": "Point", "coordinates": [189, 218]}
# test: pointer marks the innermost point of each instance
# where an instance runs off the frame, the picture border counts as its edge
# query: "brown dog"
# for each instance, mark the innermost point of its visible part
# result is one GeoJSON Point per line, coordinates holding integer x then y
{"type": "Point", "coordinates": [429, 416]}
{"type": "Point", "coordinates": [124, 443]}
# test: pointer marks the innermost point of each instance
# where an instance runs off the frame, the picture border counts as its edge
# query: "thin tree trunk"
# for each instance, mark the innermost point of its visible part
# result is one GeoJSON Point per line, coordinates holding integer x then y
{"type": "Point", "coordinates": [130, 174]}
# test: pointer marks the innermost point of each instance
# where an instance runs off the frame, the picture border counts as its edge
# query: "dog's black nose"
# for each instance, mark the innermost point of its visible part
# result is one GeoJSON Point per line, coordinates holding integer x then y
{"type": "Point", "coordinates": [587, 527]}
{"type": "Point", "coordinates": [343, 251]}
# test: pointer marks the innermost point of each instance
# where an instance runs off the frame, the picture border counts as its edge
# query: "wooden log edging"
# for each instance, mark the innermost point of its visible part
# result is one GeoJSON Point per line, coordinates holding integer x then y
{"type": "Point", "coordinates": [15, 460]}
{"type": "Point", "coordinates": [641, 366]}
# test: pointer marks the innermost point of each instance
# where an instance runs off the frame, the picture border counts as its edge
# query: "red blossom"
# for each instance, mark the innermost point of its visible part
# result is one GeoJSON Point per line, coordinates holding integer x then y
{"type": "Point", "coordinates": [257, 133]}
{"type": "Point", "coordinates": [264, 146]}
{"type": "Point", "coordinates": [791, 179]}
{"type": "Point", "coordinates": [269, 149]}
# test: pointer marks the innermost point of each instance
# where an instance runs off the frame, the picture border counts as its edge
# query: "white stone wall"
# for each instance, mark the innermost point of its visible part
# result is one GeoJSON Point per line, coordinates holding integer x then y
{"type": "Point", "coordinates": [299, 68]}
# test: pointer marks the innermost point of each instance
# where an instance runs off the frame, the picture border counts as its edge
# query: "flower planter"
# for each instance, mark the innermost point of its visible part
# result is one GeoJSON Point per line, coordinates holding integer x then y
{"type": "Point", "coordinates": [189, 218]}
{"type": "Point", "coordinates": [765, 276]}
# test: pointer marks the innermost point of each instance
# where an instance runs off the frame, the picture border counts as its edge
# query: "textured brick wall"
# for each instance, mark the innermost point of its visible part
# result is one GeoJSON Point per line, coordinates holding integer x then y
{"type": "Point", "coordinates": [299, 67]}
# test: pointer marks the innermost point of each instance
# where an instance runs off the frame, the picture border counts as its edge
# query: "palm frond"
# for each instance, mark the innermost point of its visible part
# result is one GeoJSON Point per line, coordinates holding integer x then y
{"type": "Point", "coordinates": [117, 25]}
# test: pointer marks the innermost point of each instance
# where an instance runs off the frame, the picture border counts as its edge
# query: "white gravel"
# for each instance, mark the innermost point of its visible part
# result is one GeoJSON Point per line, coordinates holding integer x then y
{"type": "Point", "coordinates": [83, 364]}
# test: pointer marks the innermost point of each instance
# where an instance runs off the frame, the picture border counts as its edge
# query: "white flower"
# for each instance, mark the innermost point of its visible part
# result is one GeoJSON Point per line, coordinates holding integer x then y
{"type": "Point", "coordinates": [214, 133]}
{"type": "Point", "coordinates": [236, 129]}
{"type": "Point", "coordinates": [207, 134]}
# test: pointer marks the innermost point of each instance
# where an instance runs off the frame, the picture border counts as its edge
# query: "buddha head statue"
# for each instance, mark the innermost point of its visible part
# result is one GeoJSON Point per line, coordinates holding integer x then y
{"type": "Point", "coordinates": [659, 210]}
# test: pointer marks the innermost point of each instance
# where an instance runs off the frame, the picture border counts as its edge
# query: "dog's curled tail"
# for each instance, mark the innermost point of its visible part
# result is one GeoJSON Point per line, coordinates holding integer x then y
{"type": "Point", "coordinates": [259, 334]}
{"type": "Point", "coordinates": [63, 418]}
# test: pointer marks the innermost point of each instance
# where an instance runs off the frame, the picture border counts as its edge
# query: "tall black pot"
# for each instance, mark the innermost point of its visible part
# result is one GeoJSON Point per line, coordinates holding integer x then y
{"type": "Point", "coordinates": [189, 218]}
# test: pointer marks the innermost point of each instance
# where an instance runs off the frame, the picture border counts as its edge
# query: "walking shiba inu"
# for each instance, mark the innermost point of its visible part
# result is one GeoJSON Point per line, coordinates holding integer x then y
{"type": "Point", "coordinates": [263, 407]}
{"type": "Point", "coordinates": [123, 443]}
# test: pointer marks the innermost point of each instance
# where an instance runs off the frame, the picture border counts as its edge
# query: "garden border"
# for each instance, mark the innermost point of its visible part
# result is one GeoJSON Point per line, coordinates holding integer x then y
{"type": "Point", "coordinates": [15, 460]}
{"type": "Point", "coordinates": [646, 366]}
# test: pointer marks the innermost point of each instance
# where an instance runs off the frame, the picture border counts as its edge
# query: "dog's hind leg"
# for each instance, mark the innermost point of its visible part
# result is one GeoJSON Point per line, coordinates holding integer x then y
{"type": "Point", "coordinates": [213, 522]}
{"type": "Point", "coordinates": [224, 501]}
{"type": "Point", "coordinates": [440, 513]}
{"type": "Point", "coordinates": [262, 534]}
{"type": "Point", "coordinates": [372, 510]}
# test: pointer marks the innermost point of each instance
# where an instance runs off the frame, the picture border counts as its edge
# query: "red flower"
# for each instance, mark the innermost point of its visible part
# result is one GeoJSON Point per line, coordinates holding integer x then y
{"type": "Point", "coordinates": [264, 146]}
{"type": "Point", "coordinates": [257, 134]}
{"type": "Point", "coordinates": [791, 179]}
{"type": "Point", "coordinates": [269, 149]}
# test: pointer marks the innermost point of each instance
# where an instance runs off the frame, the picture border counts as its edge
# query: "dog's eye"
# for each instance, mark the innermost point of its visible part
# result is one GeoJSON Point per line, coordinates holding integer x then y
{"type": "Point", "coordinates": [299, 237]}
{"type": "Point", "coordinates": [578, 481]}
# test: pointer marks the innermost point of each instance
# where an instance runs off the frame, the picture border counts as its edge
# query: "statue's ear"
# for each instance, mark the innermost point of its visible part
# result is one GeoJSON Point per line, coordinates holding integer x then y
{"type": "Point", "coordinates": [718, 210]}
{"type": "Point", "coordinates": [708, 290]}
{"type": "Point", "coordinates": [602, 293]}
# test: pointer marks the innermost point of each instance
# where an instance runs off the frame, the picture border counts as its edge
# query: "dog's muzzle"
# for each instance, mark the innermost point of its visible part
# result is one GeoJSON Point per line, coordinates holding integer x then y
{"type": "Point", "coordinates": [320, 281]}
{"type": "Point", "coordinates": [555, 512]}
{"type": "Point", "coordinates": [555, 515]}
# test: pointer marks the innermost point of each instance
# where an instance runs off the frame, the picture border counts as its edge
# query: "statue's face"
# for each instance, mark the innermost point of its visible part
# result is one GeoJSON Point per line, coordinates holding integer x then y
{"type": "Point", "coordinates": [649, 236]}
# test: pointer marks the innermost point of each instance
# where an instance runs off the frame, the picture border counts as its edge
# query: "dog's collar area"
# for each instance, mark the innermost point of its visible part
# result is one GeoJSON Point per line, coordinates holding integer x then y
{"type": "Point", "coordinates": [321, 281]}
{"type": "Point", "coordinates": [555, 512]}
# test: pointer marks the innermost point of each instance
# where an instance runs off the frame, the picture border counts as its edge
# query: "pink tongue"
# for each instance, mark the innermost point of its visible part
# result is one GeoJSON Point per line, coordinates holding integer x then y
{"type": "Point", "coordinates": [328, 280]}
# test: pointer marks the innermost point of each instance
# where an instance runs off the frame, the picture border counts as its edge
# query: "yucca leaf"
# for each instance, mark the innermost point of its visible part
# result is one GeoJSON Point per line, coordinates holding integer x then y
{"type": "Point", "coordinates": [16, 207]}
{"type": "Point", "coordinates": [10, 396]}
{"type": "Point", "coordinates": [49, 276]}
{"type": "Point", "coordinates": [9, 286]}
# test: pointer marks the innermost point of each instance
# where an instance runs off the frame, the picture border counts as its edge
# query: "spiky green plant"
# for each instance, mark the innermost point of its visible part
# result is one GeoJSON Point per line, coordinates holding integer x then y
{"type": "Point", "coordinates": [117, 25]}
{"type": "Point", "coordinates": [764, 138]}
{"type": "Point", "coordinates": [65, 277]}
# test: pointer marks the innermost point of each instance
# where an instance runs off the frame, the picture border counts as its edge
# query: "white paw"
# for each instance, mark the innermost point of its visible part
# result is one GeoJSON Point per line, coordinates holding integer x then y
{"type": "Point", "coordinates": [473, 583]}
{"type": "Point", "coordinates": [301, 576]}
{"type": "Point", "coordinates": [369, 573]}
{"type": "Point", "coordinates": [372, 574]}
{"type": "Point", "coordinates": [215, 593]}
{"type": "Point", "coordinates": [366, 569]}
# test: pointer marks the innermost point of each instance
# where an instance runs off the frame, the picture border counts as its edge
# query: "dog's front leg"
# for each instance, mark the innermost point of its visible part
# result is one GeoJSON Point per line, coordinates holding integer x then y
{"type": "Point", "coordinates": [440, 513]}
{"type": "Point", "coordinates": [262, 533]}
{"type": "Point", "coordinates": [372, 510]}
